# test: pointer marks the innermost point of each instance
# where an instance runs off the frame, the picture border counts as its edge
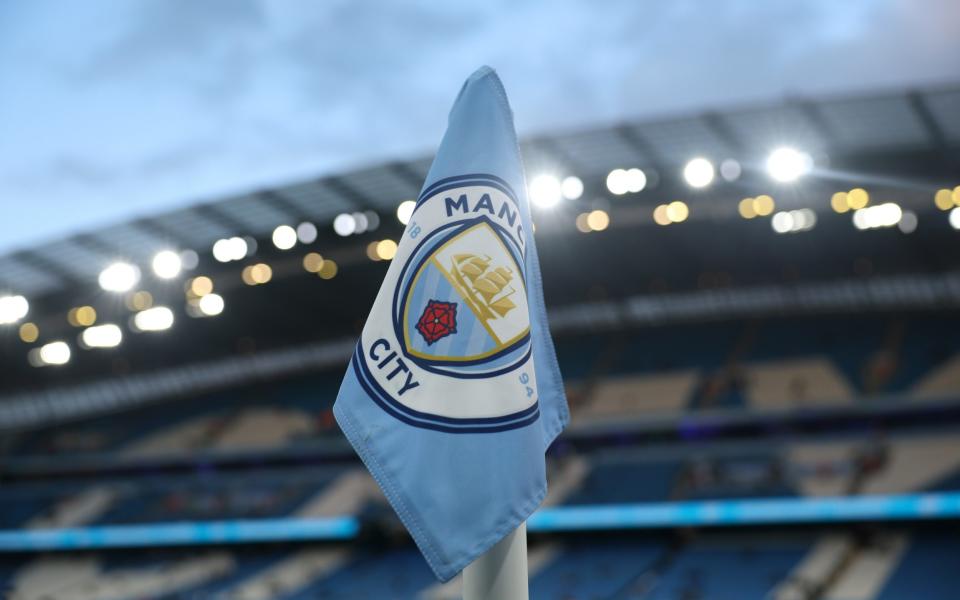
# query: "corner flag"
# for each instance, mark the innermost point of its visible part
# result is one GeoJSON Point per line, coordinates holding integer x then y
{"type": "Point", "coordinates": [453, 393]}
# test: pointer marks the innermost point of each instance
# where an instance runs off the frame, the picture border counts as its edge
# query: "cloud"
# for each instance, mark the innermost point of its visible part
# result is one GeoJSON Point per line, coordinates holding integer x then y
{"type": "Point", "coordinates": [136, 107]}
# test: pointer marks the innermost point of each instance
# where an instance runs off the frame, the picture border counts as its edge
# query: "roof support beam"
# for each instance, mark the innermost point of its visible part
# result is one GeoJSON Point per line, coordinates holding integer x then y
{"type": "Point", "coordinates": [403, 171]}
{"type": "Point", "coordinates": [816, 121]}
{"type": "Point", "coordinates": [219, 216]}
{"type": "Point", "coordinates": [632, 138]}
{"type": "Point", "coordinates": [340, 187]}
{"type": "Point", "coordinates": [47, 266]}
{"type": "Point", "coordinates": [717, 125]}
{"type": "Point", "coordinates": [98, 246]}
{"type": "Point", "coordinates": [552, 149]}
{"type": "Point", "coordinates": [280, 203]}
{"type": "Point", "coordinates": [162, 232]}
{"type": "Point", "coordinates": [930, 125]}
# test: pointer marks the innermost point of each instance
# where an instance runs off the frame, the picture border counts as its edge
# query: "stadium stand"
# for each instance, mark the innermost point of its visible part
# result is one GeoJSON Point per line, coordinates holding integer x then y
{"type": "Point", "coordinates": [709, 362]}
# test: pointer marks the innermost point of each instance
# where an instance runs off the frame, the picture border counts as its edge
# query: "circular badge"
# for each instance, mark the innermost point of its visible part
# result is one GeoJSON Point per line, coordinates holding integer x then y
{"type": "Point", "coordinates": [447, 345]}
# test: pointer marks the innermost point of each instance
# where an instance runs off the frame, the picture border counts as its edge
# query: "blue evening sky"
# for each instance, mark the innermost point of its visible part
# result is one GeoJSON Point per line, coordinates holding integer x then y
{"type": "Point", "coordinates": [115, 109]}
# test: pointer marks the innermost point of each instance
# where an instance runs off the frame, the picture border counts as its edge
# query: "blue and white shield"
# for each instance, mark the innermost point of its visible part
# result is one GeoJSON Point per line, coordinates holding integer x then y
{"type": "Point", "coordinates": [452, 351]}
{"type": "Point", "coordinates": [473, 270]}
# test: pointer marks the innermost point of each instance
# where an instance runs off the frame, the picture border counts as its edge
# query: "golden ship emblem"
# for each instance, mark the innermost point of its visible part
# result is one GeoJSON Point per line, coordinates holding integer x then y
{"type": "Point", "coordinates": [486, 288]}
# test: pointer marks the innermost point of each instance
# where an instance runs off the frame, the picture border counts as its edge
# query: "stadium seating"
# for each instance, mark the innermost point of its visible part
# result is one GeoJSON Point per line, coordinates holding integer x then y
{"type": "Point", "coordinates": [737, 368]}
{"type": "Point", "coordinates": [87, 577]}
{"type": "Point", "coordinates": [927, 569]}
{"type": "Point", "coordinates": [726, 569]}
{"type": "Point", "coordinates": [866, 572]}
{"type": "Point", "coordinates": [622, 478]}
{"type": "Point", "coordinates": [595, 569]}
{"type": "Point", "coordinates": [781, 364]}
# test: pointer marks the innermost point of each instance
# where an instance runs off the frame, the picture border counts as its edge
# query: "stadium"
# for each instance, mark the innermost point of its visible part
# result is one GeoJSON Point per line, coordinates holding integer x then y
{"type": "Point", "coordinates": [755, 312]}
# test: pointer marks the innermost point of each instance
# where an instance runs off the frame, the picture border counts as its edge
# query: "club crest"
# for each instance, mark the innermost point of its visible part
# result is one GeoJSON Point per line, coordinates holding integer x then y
{"type": "Point", "coordinates": [457, 312]}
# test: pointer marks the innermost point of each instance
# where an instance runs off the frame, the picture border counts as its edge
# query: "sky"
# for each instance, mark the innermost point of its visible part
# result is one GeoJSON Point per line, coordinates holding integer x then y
{"type": "Point", "coordinates": [115, 109]}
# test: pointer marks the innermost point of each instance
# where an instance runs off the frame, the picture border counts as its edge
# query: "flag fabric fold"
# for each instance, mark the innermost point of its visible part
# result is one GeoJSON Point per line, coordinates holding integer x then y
{"type": "Point", "coordinates": [453, 393]}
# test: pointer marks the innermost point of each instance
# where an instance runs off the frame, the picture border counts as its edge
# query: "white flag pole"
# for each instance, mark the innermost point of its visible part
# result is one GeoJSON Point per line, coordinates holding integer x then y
{"type": "Point", "coordinates": [500, 573]}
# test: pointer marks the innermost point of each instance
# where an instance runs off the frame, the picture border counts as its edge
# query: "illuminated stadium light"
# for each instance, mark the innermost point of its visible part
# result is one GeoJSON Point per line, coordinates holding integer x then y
{"type": "Point", "coordinates": [660, 215]}
{"type": "Point", "coordinates": [677, 211]}
{"type": "Point", "coordinates": [371, 251]}
{"type": "Point", "coordinates": [745, 208]}
{"type": "Point", "coordinates": [839, 203]}
{"type": "Point", "coordinates": [82, 316]}
{"type": "Point", "coordinates": [636, 180]}
{"type": "Point", "coordinates": [571, 187]}
{"type": "Point", "coordinates": [312, 262]}
{"type": "Point", "coordinates": [222, 251]}
{"type": "Point", "coordinates": [261, 273]}
{"type": "Point", "coordinates": [598, 220]}
{"type": "Point", "coordinates": [29, 332]}
{"type": "Point", "coordinates": [140, 300]}
{"type": "Point", "coordinates": [405, 210]}
{"type": "Point", "coordinates": [730, 170]}
{"type": "Point", "coordinates": [199, 286]}
{"type": "Point", "coordinates": [167, 264]}
{"type": "Point", "coordinates": [858, 198]}
{"type": "Point", "coordinates": [794, 221]}
{"type": "Point", "coordinates": [373, 220]}
{"type": "Point", "coordinates": [361, 223]}
{"type": "Point", "coordinates": [943, 199]}
{"type": "Point", "coordinates": [581, 223]}
{"type": "Point", "coordinates": [257, 274]}
{"type": "Point", "coordinates": [189, 260]}
{"type": "Point", "coordinates": [226, 250]}
{"type": "Point", "coordinates": [239, 247]}
{"type": "Point", "coordinates": [328, 270]}
{"type": "Point", "coordinates": [210, 305]}
{"type": "Point", "coordinates": [307, 232]}
{"type": "Point", "coordinates": [284, 237]}
{"type": "Point", "coordinates": [763, 205]}
{"type": "Point", "coordinates": [879, 216]}
{"type": "Point", "coordinates": [955, 218]}
{"type": "Point", "coordinates": [782, 222]}
{"type": "Point", "coordinates": [698, 172]}
{"type": "Point", "coordinates": [787, 164]}
{"type": "Point", "coordinates": [51, 354]}
{"type": "Point", "coordinates": [804, 219]}
{"type": "Point", "coordinates": [119, 277]}
{"type": "Point", "coordinates": [344, 224]}
{"type": "Point", "coordinates": [101, 336]}
{"type": "Point", "coordinates": [386, 249]}
{"type": "Point", "coordinates": [158, 318]}
{"type": "Point", "coordinates": [908, 222]}
{"type": "Point", "coordinates": [12, 309]}
{"type": "Point", "coordinates": [545, 191]}
{"type": "Point", "coordinates": [618, 182]}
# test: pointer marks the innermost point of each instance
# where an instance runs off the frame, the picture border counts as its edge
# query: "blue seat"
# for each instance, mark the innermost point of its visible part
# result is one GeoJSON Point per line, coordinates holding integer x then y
{"type": "Point", "coordinates": [928, 570]}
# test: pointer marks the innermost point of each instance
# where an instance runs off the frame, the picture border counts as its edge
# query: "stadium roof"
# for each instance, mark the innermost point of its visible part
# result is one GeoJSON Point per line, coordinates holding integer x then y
{"type": "Point", "coordinates": [926, 121]}
{"type": "Point", "coordinates": [901, 147]}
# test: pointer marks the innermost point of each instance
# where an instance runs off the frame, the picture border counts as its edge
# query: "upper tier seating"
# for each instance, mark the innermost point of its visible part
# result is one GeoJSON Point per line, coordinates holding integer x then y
{"type": "Point", "coordinates": [797, 383]}
{"type": "Point", "coordinates": [616, 478]}
{"type": "Point", "coordinates": [916, 463]}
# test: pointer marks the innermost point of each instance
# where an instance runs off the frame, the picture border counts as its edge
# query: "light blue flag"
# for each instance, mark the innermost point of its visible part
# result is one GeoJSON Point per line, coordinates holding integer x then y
{"type": "Point", "coordinates": [453, 393]}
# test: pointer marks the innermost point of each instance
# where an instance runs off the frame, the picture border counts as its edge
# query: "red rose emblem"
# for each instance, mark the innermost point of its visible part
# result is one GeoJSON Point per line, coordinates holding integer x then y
{"type": "Point", "coordinates": [439, 319]}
